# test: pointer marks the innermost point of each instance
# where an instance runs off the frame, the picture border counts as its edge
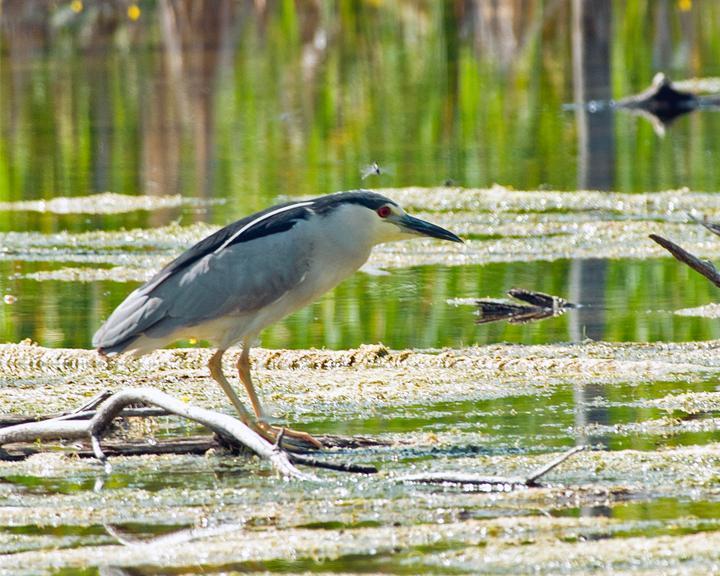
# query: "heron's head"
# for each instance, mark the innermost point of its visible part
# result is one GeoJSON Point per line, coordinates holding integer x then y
{"type": "Point", "coordinates": [382, 219]}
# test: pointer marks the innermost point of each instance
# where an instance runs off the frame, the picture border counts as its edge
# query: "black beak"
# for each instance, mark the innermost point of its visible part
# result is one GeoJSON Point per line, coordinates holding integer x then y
{"type": "Point", "coordinates": [417, 226]}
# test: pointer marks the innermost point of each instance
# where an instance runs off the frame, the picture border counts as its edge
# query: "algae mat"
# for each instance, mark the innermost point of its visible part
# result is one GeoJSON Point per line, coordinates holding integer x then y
{"type": "Point", "coordinates": [497, 224]}
{"type": "Point", "coordinates": [645, 500]}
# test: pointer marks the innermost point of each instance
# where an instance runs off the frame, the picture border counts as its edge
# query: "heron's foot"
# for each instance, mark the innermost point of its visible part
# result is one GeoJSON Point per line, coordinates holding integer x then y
{"type": "Point", "coordinates": [293, 436]}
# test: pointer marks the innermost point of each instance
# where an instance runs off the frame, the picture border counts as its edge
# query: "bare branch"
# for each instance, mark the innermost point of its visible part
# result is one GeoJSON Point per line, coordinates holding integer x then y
{"type": "Point", "coordinates": [226, 426]}
{"type": "Point", "coordinates": [535, 476]}
{"type": "Point", "coordinates": [491, 483]}
{"type": "Point", "coordinates": [702, 266]}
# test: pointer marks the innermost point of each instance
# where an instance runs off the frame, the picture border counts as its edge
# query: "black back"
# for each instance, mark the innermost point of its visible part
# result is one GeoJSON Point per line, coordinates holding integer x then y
{"type": "Point", "coordinates": [280, 222]}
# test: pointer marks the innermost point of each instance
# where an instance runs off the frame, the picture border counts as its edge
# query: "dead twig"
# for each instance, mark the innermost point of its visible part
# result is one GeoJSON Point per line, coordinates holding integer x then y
{"type": "Point", "coordinates": [490, 483]}
{"type": "Point", "coordinates": [340, 467]}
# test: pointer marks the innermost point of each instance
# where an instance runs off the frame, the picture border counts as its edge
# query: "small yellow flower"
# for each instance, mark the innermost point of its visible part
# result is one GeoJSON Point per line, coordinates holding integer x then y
{"type": "Point", "coordinates": [685, 5]}
{"type": "Point", "coordinates": [76, 6]}
{"type": "Point", "coordinates": [133, 12]}
{"type": "Point", "coordinates": [193, 341]}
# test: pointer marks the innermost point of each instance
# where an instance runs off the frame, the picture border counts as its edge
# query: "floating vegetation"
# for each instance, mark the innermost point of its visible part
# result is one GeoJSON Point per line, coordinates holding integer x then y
{"type": "Point", "coordinates": [649, 205]}
{"type": "Point", "coordinates": [92, 274]}
{"type": "Point", "coordinates": [711, 310]}
{"type": "Point", "coordinates": [510, 226]}
{"type": "Point", "coordinates": [104, 203]}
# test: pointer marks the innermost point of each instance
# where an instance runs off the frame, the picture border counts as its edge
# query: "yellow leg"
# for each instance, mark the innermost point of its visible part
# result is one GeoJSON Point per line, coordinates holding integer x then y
{"type": "Point", "coordinates": [243, 366]}
{"type": "Point", "coordinates": [216, 372]}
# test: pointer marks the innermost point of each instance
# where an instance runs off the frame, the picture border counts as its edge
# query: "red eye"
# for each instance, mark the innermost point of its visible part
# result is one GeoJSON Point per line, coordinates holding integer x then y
{"type": "Point", "coordinates": [384, 211]}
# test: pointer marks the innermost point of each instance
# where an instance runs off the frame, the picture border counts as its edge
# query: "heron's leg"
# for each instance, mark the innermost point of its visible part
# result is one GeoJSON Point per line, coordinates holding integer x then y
{"type": "Point", "coordinates": [243, 366]}
{"type": "Point", "coordinates": [216, 372]}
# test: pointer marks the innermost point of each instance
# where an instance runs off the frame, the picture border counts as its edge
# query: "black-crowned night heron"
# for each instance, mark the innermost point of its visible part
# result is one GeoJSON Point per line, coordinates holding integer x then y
{"type": "Point", "coordinates": [231, 285]}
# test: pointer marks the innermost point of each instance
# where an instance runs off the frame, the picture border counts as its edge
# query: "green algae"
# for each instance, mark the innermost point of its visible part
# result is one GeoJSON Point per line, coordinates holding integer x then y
{"type": "Point", "coordinates": [232, 513]}
{"type": "Point", "coordinates": [368, 377]}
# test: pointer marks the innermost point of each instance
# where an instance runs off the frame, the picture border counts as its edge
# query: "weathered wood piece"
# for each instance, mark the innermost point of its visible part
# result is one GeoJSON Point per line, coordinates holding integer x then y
{"type": "Point", "coordinates": [539, 306]}
{"type": "Point", "coordinates": [190, 445]}
{"type": "Point", "coordinates": [93, 429]}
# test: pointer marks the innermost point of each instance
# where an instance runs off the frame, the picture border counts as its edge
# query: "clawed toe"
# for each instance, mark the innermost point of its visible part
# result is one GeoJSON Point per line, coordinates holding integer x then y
{"type": "Point", "coordinates": [296, 436]}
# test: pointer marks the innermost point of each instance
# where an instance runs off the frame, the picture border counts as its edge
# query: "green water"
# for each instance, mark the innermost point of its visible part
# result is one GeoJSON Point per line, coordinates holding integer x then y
{"type": "Point", "coordinates": [407, 308]}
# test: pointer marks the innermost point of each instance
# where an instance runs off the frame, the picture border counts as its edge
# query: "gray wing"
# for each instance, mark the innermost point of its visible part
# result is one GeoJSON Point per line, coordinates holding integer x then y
{"type": "Point", "coordinates": [238, 279]}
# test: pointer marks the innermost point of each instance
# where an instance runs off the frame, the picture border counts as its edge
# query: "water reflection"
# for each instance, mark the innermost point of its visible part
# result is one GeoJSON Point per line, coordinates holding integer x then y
{"type": "Point", "coordinates": [406, 308]}
{"type": "Point", "coordinates": [247, 100]}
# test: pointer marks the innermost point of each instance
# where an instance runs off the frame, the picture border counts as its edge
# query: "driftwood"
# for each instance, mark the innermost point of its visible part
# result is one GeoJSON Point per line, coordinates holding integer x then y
{"type": "Point", "coordinates": [538, 307]}
{"type": "Point", "coordinates": [227, 427]}
{"type": "Point", "coordinates": [702, 266]}
{"type": "Point", "coordinates": [491, 483]}
{"type": "Point", "coordinates": [66, 426]}
{"type": "Point", "coordinates": [92, 421]}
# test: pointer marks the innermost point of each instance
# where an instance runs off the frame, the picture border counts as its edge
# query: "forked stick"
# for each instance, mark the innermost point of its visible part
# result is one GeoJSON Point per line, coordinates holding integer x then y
{"type": "Point", "coordinates": [95, 428]}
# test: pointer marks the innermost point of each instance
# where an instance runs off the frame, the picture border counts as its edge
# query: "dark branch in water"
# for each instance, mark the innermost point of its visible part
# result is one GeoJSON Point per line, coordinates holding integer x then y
{"type": "Point", "coordinates": [541, 306]}
{"type": "Point", "coordinates": [662, 102]}
{"type": "Point", "coordinates": [702, 266]}
{"type": "Point", "coordinates": [661, 99]}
